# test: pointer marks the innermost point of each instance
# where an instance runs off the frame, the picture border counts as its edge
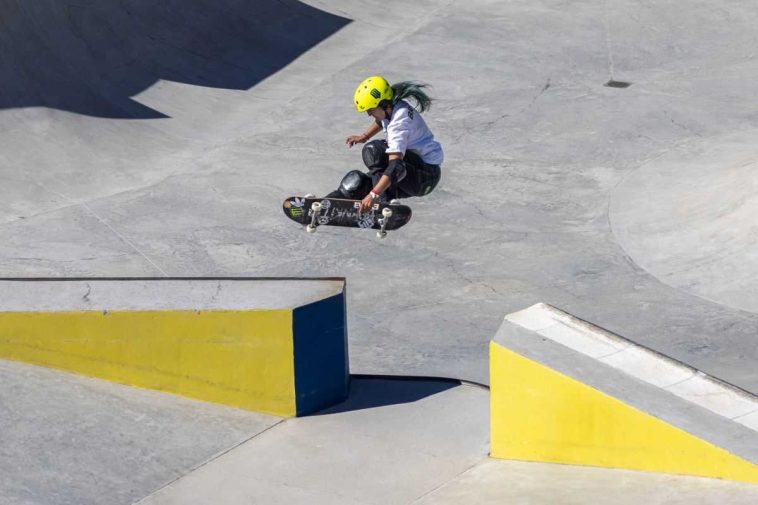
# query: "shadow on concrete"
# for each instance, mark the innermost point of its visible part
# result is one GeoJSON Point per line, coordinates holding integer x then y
{"type": "Point", "coordinates": [91, 56]}
{"type": "Point", "coordinates": [368, 392]}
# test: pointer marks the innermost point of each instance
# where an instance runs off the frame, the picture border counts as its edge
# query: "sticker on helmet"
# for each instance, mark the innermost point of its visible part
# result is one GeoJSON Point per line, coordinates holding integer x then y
{"type": "Point", "coordinates": [375, 93]}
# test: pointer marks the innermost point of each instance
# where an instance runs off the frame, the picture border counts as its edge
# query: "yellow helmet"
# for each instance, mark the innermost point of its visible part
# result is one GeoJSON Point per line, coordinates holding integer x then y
{"type": "Point", "coordinates": [371, 92]}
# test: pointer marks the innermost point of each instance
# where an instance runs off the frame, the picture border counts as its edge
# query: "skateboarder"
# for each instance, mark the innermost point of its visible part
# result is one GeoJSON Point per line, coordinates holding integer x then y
{"type": "Point", "coordinates": [408, 162]}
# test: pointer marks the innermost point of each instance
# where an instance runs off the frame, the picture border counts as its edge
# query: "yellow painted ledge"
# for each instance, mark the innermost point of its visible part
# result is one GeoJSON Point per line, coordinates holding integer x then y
{"type": "Point", "coordinates": [538, 414]}
{"type": "Point", "coordinates": [241, 358]}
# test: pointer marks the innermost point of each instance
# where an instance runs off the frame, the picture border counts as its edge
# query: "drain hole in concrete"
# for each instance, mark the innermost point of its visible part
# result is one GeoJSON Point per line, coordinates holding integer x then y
{"type": "Point", "coordinates": [617, 84]}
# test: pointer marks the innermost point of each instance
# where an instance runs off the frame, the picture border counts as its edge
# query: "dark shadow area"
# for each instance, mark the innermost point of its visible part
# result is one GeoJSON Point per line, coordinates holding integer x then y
{"type": "Point", "coordinates": [91, 56]}
{"type": "Point", "coordinates": [368, 392]}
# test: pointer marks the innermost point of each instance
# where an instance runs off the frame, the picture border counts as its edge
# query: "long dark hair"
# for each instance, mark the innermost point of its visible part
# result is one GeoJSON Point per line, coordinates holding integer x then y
{"type": "Point", "coordinates": [412, 90]}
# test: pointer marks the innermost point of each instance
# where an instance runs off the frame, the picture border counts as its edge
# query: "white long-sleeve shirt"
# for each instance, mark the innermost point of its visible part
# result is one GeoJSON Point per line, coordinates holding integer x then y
{"type": "Point", "coordinates": [407, 131]}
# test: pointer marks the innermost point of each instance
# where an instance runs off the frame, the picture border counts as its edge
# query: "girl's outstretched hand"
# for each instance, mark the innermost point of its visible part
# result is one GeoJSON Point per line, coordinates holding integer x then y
{"type": "Point", "coordinates": [354, 139]}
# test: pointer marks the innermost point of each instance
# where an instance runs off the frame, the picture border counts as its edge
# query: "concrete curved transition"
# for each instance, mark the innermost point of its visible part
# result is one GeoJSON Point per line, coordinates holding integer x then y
{"type": "Point", "coordinates": [93, 57]}
{"type": "Point", "coordinates": [689, 218]}
{"type": "Point", "coordinates": [158, 139]}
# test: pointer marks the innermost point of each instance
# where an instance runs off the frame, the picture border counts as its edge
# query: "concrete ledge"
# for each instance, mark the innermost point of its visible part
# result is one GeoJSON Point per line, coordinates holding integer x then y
{"type": "Point", "coordinates": [565, 391]}
{"type": "Point", "coordinates": [277, 346]}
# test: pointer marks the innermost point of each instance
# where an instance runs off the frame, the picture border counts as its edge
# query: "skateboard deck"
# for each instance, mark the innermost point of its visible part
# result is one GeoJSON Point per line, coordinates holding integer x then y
{"type": "Point", "coordinates": [315, 212]}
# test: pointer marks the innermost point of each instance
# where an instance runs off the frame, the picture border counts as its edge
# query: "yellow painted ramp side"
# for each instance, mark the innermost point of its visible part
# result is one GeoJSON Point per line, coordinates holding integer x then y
{"type": "Point", "coordinates": [241, 358]}
{"type": "Point", "coordinates": [538, 414]}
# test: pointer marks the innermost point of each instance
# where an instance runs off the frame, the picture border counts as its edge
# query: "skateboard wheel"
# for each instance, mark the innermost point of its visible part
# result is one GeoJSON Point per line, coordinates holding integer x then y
{"type": "Point", "coordinates": [316, 207]}
{"type": "Point", "coordinates": [310, 228]}
{"type": "Point", "coordinates": [381, 234]}
{"type": "Point", "coordinates": [387, 212]}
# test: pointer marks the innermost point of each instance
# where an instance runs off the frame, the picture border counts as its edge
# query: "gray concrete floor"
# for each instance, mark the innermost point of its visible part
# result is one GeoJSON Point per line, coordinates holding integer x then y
{"type": "Point", "coordinates": [495, 481]}
{"type": "Point", "coordinates": [161, 143]}
{"type": "Point", "coordinates": [72, 440]}
{"type": "Point", "coordinates": [540, 199]}
{"type": "Point", "coordinates": [391, 442]}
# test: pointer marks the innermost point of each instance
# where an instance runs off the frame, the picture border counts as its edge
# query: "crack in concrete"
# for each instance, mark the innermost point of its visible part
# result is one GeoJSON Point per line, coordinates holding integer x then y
{"type": "Point", "coordinates": [107, 225]}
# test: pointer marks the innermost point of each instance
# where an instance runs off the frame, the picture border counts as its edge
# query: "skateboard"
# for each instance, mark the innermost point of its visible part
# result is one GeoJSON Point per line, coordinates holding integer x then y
{"type": "Point", "coordinates": [314, 212]}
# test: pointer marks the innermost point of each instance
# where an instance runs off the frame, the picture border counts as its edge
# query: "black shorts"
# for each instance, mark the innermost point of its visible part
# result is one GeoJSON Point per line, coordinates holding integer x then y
{"type": "Point", "coordinates": [420, 179]}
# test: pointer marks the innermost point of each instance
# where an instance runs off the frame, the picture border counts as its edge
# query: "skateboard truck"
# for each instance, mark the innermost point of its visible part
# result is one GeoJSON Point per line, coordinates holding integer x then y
{"type": "Point", "coordinates": [316, 208]}
{"type": "Point", "coordinates": [386, 214]}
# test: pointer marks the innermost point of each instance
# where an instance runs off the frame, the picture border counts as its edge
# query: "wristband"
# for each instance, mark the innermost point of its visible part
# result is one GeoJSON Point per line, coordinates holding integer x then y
{"type": "Point", "coordinates": [374, 194]}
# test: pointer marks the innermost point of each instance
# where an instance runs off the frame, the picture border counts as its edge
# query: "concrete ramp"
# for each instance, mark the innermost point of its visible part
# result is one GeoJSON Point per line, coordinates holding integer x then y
{"type": "Point", "coordinates": [276, 346]}
{"type": "Point", "coordinates": [565, 391]}
{"type": "Point", "coordinates": [688, 218]}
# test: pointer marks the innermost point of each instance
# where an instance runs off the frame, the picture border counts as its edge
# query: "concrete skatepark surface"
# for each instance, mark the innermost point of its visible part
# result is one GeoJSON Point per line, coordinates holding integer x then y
{"type": "Point", "coordinates": [140, 139]}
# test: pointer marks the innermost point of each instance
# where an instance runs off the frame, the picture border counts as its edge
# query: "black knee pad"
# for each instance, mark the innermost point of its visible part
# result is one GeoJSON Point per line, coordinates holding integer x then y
{"type": "Point", "coordinates": [375, 154]}
{"type": "Point", "coordinates": [355, 185]}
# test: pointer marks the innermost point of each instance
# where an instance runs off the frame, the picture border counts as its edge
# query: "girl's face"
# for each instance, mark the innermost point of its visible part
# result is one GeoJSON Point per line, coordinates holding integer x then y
{"type": "Point", "coordinates": [377, 113]}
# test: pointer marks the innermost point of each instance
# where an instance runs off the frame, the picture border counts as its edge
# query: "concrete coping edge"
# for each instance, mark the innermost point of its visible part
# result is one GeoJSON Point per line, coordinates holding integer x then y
{"type": "Point", "coordinates": [640, 362]}
{"type": "Point", "coordinates": [164, 293]}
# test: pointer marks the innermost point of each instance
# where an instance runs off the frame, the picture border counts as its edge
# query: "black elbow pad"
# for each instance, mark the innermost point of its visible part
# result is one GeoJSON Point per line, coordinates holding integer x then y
{"type": "Point", "coordinates": [396, 170]}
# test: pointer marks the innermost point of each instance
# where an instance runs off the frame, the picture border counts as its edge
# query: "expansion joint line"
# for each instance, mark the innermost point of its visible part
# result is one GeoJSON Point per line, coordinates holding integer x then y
{"type": "Point", "coordinates": [211, 460]}
{"type": "Point", "coordinates": [608, 43]}
{"type": "Point", "coordinates": [124, 239]}
{"type": "Point", "coordinates": [443, 484]}
{"type": "Point", "coordinates": [111, 228]}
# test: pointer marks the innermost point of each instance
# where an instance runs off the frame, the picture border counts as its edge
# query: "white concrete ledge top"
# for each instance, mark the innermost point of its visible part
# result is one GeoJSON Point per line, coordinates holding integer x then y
{"type": "Point", "coordinates": [655, 369]}
{"type": "Point", "coordinates": [53, 295]}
